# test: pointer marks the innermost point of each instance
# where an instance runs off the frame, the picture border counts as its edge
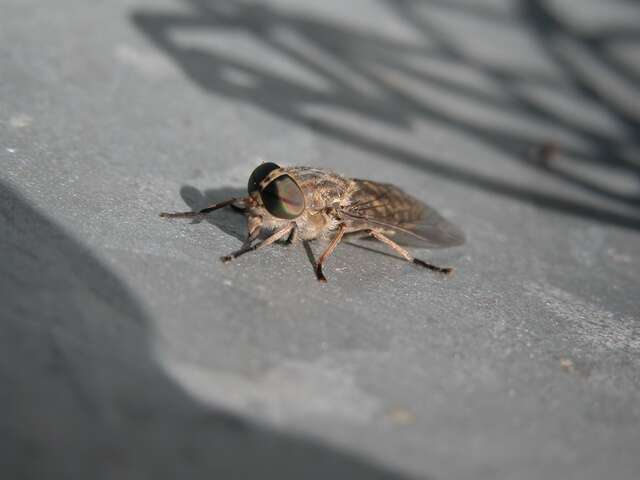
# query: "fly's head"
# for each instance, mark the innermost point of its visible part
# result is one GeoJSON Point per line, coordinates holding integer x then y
{"type": "Point", "coordinates": [275, 196]}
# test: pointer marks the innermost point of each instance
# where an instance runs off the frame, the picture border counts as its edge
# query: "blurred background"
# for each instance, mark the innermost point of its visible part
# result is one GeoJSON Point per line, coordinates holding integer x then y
{"type": "Point", "coordinates": [129, 351]}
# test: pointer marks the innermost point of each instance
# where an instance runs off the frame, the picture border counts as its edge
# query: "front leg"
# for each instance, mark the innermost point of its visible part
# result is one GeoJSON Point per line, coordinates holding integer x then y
{"type": "Point", "coordinates": [247, 247]}
{"type": "Point", "coordinates": [202, 212]}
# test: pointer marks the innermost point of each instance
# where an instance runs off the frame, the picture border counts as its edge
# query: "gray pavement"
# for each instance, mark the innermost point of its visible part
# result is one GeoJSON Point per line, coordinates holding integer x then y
{"type": "Point", "coordinates": [128, 350]}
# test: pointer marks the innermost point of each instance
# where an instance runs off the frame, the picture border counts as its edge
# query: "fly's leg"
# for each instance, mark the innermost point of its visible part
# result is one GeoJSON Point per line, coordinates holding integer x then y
{"type": "Point", "coordinates": [407, 256]}
{"type": "Point", "coordinates": [200, 213]}
{"type": "Point", "coordinates": [328, 251]}
{"type": "Point", "coordinates": [247, 247]}
{"type": "Point", "coordinates": [293, 236]}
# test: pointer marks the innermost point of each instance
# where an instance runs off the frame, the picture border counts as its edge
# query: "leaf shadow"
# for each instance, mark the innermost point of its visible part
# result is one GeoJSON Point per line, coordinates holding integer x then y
{"type": "Point", "coordinates": [375, 58]}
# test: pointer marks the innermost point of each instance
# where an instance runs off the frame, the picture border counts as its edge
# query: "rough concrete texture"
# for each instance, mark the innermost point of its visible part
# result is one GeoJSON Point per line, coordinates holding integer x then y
{"type": "Point", "coordinates": [128, 350]}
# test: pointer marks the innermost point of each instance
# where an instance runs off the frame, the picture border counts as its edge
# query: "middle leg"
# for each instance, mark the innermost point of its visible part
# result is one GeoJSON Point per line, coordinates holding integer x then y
{"type": "Point", "coordinates": [328, 251]}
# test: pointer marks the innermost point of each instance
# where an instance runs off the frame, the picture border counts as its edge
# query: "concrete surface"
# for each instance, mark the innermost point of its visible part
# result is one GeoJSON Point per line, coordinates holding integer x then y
{"type": "Point", "coordinates": [127, 350]}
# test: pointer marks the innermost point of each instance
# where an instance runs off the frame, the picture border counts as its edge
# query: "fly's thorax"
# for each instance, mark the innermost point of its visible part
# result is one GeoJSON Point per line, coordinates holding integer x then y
{"type": "Point", "coordinates": [322, 188]}
{"type": "Point", "coordinates": [313, 225]}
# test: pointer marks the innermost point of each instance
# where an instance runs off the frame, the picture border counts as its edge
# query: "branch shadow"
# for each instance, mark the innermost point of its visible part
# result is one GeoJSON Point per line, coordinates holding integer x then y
{"type": "Point", "coordinates": [82, 395]}
{"type": "Point", "coordinates": [355, 62]}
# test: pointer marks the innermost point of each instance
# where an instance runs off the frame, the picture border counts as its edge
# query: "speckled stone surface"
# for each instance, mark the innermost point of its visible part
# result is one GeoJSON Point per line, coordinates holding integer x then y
{"type": "Point", "coordinates": [128, 350]}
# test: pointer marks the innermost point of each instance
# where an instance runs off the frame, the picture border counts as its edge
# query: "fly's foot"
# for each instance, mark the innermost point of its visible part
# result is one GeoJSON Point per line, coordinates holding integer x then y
{"type": "Point", "coordinates": [319, 274]}
{"type": "Point", "coordinates": [444, 270]}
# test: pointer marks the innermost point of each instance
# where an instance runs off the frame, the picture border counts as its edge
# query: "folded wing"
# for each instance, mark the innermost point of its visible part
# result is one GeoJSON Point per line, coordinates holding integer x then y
{"type": "Point", "coordinates": [405, 219]}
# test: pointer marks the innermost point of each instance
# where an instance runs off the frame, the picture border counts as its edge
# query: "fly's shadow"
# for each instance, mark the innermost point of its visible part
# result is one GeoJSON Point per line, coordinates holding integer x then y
{"type": "Point", "coordinates": [229, 220]}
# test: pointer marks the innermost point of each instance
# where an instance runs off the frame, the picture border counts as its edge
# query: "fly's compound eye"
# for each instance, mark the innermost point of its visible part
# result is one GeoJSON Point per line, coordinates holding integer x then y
{"type": "Point", "coordinates": [283, 198]}
{"type": "Point", "coordinates": [259, 174]}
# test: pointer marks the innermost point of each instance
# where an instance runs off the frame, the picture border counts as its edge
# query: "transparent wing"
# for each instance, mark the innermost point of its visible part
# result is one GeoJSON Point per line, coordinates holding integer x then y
{"type": "Point", "coordinates": [404, 219]}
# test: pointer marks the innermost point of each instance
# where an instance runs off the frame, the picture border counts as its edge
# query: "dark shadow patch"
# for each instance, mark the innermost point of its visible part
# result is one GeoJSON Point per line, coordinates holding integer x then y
{"type": "Point", "coordinates": [82, 395]}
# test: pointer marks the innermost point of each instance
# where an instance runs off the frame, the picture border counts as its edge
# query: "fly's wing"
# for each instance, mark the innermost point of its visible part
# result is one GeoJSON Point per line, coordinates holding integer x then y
{"type": "Point", "coordinates": [401, 217]}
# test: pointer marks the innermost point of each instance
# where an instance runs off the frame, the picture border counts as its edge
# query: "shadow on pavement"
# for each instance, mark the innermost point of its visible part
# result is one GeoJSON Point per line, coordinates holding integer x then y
{"type": "Point", "coordinates": [82, 395]}
{"type": "Point", "coordinates": [354, 63]}
{"type": "Point", "coordinates": [226, 219]}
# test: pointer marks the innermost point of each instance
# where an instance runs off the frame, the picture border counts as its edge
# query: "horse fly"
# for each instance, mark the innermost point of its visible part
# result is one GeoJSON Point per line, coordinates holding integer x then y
{"type": "Point", "coordinates": [305, 203]}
